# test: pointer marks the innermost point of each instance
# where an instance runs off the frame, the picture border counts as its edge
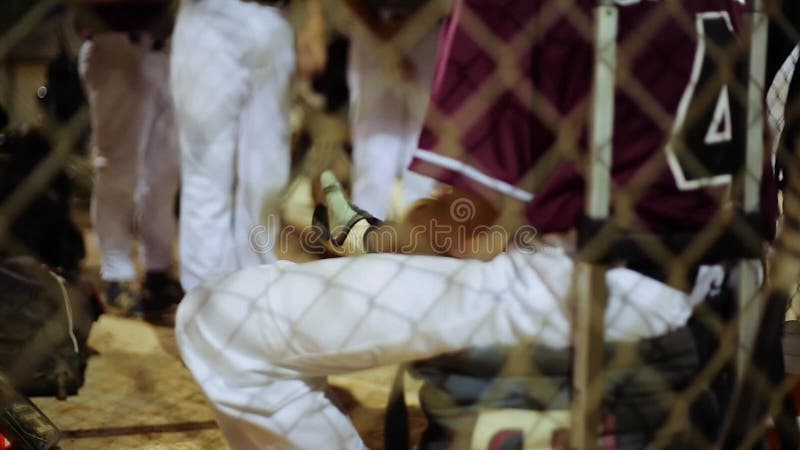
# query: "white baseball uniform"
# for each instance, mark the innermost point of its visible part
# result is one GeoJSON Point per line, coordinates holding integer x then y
{"type": "Point", "coordinates": [135, 148]}
{"type": "Point", "coordinates": [387, 115]}
{"type": "Point", "coordinates": [261, 341]}
{"type": "Point", "coordinates": [231, 65]}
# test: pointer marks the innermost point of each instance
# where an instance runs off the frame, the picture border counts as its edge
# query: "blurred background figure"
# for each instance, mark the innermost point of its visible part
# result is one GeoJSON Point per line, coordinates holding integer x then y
{"type": "Point", "coordinates": [388, 103]}
{"type": "Point", "coordinates": [124, 65]}
{"type": "Point", "coordinates": [232, 63]}
{"type": "Point", "coordinates": [44, 229]}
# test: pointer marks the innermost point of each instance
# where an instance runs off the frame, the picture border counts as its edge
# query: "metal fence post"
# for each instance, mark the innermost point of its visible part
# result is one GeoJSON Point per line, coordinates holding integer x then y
{"type": "Point", "coordinates": [749, 269]}
{"type": "Point", "coordinates": [588, 332]}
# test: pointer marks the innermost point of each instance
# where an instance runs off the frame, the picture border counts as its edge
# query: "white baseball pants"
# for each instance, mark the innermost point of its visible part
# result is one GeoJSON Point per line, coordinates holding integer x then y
{"type": "Point", "coordinates": [261, 341]}
{"type": "Point", "coordinates": [134, 144]}
{"type": "Point", "coordinates": [231, 66]}
{"type": "Point", "coordinates": [387, 116]}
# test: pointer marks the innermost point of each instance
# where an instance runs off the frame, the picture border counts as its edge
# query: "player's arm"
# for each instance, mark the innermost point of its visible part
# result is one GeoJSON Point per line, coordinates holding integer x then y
{"type": "Point", "coordinates": [454, 223]}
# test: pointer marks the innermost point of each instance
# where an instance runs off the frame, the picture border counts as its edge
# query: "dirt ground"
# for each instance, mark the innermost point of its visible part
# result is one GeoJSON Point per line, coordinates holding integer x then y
{"type": "Point", "coordinates": [138, 395]}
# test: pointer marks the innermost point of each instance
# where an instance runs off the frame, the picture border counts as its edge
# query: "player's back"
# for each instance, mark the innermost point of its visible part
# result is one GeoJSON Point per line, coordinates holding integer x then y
{"type": "Point", "coordinates": [679, 124]}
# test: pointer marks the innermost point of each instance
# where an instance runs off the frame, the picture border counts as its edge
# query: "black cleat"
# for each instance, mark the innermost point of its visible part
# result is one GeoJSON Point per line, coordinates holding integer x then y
{"type": "Point", "coordinates": [160, 293]}
{"type": "Point", "coordinates": [120, 298]}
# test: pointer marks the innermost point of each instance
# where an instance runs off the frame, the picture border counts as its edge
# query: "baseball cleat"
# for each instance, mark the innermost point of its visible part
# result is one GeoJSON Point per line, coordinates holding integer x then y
{"type": "Point", "coordinates": [120, 298]}
{"type": "Point", "coordinates": [342, 215]}
{"type": "Point", "coordinates": [160, 292]}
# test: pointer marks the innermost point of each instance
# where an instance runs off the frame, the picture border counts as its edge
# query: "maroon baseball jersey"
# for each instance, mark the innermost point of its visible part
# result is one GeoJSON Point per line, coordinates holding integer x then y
{"type": "Point", "coordinates": [512, 120]}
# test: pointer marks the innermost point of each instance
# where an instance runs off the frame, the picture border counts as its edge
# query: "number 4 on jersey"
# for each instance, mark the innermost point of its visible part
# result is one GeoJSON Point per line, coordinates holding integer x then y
{"type": "Point", "coordinates": [708, 139]}
{"type": "Point", "coordinates": [720, 129]}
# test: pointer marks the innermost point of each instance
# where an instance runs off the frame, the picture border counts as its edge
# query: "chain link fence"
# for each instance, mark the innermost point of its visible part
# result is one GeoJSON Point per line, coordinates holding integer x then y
{"type": "Point", "coordinates": [641, 305]}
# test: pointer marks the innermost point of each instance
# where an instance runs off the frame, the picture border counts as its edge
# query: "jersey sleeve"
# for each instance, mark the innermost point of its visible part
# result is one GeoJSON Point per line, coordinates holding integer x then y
{"type": "Point", "coordinates": [478, 134]}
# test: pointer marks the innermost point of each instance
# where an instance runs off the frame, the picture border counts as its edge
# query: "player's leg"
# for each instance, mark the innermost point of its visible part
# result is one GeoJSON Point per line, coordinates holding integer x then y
{"type": "Point", "coordinates": [260, 341]}
{"type": "Point", "coordinates": [379, 117]}
{"type": "Point", "coordinates": [263, 154]}
{"type": "Point", "coordinates": [159, 178]}
{"type": "Point", "coordinates": [208, 84]}
{"type": "Point", "coordinates": [110, 68]}
{"type": "Point", "coordinates": [423, 55]}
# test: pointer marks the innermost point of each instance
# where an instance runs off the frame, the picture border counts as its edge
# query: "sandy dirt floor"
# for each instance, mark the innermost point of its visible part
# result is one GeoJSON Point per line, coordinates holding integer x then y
{"type": "Point", "coordinates": [138, 395]}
